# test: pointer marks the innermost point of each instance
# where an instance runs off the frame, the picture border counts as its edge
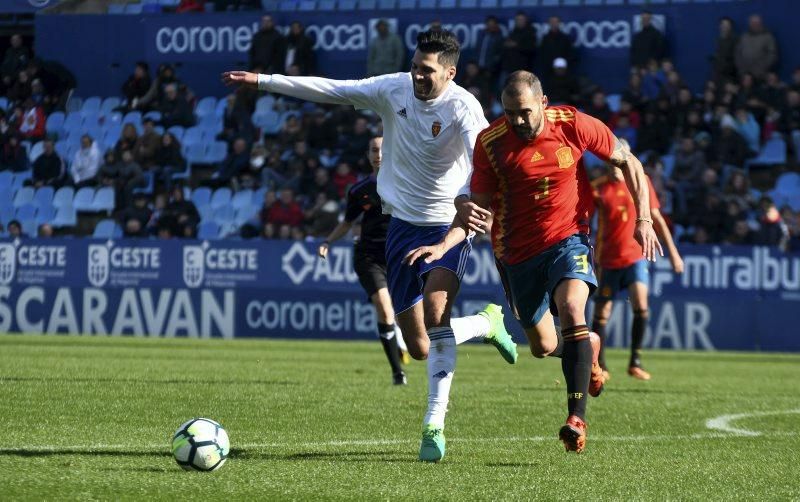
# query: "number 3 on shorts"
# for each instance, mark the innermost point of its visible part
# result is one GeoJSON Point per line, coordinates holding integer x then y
{"type": "Point", "coordinates": [583, 263]}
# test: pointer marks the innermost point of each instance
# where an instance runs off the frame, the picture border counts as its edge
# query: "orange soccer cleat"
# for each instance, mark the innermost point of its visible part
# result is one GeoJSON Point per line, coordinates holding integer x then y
{"type": "Point", "coordinates": [638, 373]}
{"type": "Point", "coordinates": [573, 434]}
{"type": "Point", "coordinates": [598, 378]}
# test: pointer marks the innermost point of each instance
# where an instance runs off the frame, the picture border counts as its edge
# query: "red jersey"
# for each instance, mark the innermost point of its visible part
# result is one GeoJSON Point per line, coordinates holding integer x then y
{"type": "Point", "coordinates": [541, 192]}
{"type": "Point", "coordinates": [616, 247]}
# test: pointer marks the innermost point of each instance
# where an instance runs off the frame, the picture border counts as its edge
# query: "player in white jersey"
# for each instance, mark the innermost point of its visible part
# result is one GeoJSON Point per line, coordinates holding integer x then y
{"type": "Point", "coordinates": [429, 125]}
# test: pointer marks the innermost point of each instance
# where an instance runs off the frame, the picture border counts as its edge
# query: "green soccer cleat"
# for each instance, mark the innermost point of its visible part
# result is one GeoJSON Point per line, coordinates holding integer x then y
{"type": "Point", "coordinates": [498, 336]}
{"type": "Point", "coordinates": [432, 447]}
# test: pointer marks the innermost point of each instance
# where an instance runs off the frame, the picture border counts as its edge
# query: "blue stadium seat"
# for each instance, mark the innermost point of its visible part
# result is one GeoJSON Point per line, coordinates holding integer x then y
{"type": "Point", "coordinates": [358, 4]}
{"type": "Point", "coordinates": [103, 200]}
{"type": "Point", "coordinates": [6, 177]}
{"type": "Point", "coordinates": [216, 152]}
{"type": "Point", "coordinates": [788, 183]}
{"type": "Point", "coordinates": [242, 198]}
{"type": "Point", "coordinates": [133, 8]}
{"type": "Point", "coordinates": [246, 214]}
{"type": "Point", "coordinates": [178, 132]}
{"type": "Point", "coordinates": [269, 121]}
{"type": "Point", "coordinates": [44, 196]}
{"type": "Point", "coordinates": [45, 214]}
{"type": "Point", "coordinates": [194, 153]}
{"type": "Point", "coordinates": [6, 213]}
{"type": "Point", "coordinates": [134, 118]}
{"type": "Point", "coordinates": [3, 103]}
{"type": "Point", "coordinates": [36, 150]}
{"type": "Point", "coordinates": [590, 160]}
{"type": "Point", "coordinates": [104, 229]}
{"type": "Point", "coordinates": [450, 4]}
{"type": "Point", "coordinates": [155, 115]}
{"type": "Point", "coordinates": [613, 101]}
{"type": "Point", "coordinates": [219, 111]}
{"type": "Point", "coordinates": [169, 3]}
{"type": "Point", "coordinates": [407, 4]}
{"type": "Point", "coordinates": [206, 212]}
{"type": "Point", "coordinates": [772, 153]}
{"type": "Point", "coordinates": [265, 103]}
{"type": "Point", "coordinates": [269, 5]}
{"type": "Point", "coordinates": [23, 196]}
{"type": "Point", "coordinates": [224, 214]}
{"type": "Point", "coordinates": [387, 4]}
{"type": "Point", "coordinates": [193, 136]}
{"type": "Point", "coordinates": [72, 122]}
{"type": "Point", "coordinates": [509, 4]}
{"type": "Point", "coordinates": [427, 4]}
{"type": "Point", "coordinates": [287, 6]}
{"type": "Point", "coordinates": [208, 230]}
{"type": "Point", "coordinates": [669, 164]}
{"type": "Point", "coordinates": [221, 198]}
{"type": "Point", "coordinates": [109, 104]}
{"type": "Point", "coordinates": [29, 227]}
{"type": "Point", "coordinates": [66, 216]}
{"type": "Point", "coordinates": [116, 8]}
{"type": "Point", "coordinates": [83, 199]}
{"type": "Point", "coordinates": [62, 148]}
{"type": "Point", "coordinates": [571, 3]}
{"type": "Point", "coordinates": [549, 3]}
{"type": "Point", "coordinates": [307, 6]}
{"type": "Point", "coordinates": [201, 196]}
{"type": "Point", "coordinates": [149, 184]}
{"type": "Point", "coordinates": [55, 123]}
{"type": "Point", "coordinates": [63, 197]}
{"type": "Point", "coordinates": [111, 134]}
{"type": "Point", "coordinates": [25, 212]}
{"type": "Point", "coordinates": [211, 126]}
{"type": "Point", "coordinates": [91, 106]}
{"type": "Point", "coordinates": [528, 3]}
{"type": "Point", "coordinates": [74, 104]}
{"type": "Point", "coordinates": [488, 4]}
{"type": "Point", "coordinates": [258, 196]}
{"type": "Point", "coordinates": [206, 106]}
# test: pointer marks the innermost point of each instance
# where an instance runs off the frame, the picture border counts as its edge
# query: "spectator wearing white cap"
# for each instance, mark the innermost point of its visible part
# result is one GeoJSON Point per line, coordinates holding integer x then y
{"type": "Point", "coordinates": [555, 45]}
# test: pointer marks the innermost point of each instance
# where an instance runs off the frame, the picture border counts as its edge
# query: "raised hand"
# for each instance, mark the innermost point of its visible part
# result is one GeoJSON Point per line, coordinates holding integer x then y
{"type": "Point", "coordinates": [238, 77]}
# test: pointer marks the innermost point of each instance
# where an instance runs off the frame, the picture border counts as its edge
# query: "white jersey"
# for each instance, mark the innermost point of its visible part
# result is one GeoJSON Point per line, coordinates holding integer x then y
{"type": "Point", "coordinates": [427, 145]}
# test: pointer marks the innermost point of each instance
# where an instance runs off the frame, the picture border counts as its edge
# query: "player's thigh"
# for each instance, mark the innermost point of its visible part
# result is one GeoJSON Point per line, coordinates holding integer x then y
{"type": "Point", "coordinates": [438, 295]}
{"type": "Point", "coordinates": [383, 305]}
{"type": "Point", "coordinates": [525, 285]}
{"type": "Point", "coordinates": [637, 292]}
{"type": "Point", "coordinates": [570, 298]}
{"type": "Point", "coordinates": [602, 309]}
{"type": "Point", "coordinates": [412, 327]}
{"type": "Point", "coordinates": [571, 279]}
{"type": "Point", "coordinates": [542, 337]}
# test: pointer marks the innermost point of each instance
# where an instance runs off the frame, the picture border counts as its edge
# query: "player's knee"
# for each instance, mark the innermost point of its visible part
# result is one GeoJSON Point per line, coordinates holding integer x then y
{"type": "Point", "coordinates": [543, 350]}
{"type": "Point", "coordinates": [570, 309]}
{"type": "Point", "coordinates": [436, 320]}
{"type": "Point", "coordinates": [418, 353]}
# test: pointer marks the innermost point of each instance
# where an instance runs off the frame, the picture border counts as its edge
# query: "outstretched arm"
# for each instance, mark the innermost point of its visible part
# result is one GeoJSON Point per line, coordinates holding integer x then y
{"type": "Point", "coordinates": [358, 93]}
{"type": "Point", "coordinates": [662, 230]}
{"type": "Point", "coordinates": [637, 184]}
{"type": "Point", "coordinates": [459, 230]}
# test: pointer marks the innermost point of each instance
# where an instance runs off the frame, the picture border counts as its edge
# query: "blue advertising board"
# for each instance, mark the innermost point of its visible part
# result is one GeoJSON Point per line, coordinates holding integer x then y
{"type": "Point", "coordinates": [739, 298]}
{"type": "Point", "coordinates": [102, 50]}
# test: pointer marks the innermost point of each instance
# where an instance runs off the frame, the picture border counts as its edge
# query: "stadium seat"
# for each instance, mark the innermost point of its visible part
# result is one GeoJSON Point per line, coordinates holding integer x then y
{"type": "Point", "coordinates": [72, 122]}
{"type": "Point", "coordinates": [669, 164]}
{"type": "Point", "coordinates": [55, 123]}
{"type": "Point", "coordinates": [105, 229]}
{"type": "Point", "coordinates": [345, 5]}
{"type": "Point", "coordinates": [206, 213]}
{"type": "Point", "coordinates": [326, 5]}
{"type": "Point", "coordinates": [169, 3]}
{"type": "Point", "coordinates": [201, 196]}
{"type": "Point", "coordinates": [528, 3]}
{"type": "Point", "coordinates": [149, 184]}
{"type": "Point", "coordinates": [109, 104]}
{"type": "Point", "coordinates": [193, 136]}
{"type": "Point", "coordinates": [772, 153]}
{"type": "Point", "coordinates": [221, 198]}
{"type": "Point", "coordinates": [3, 103]}
{"type": "Point", "coordinates": [265, 103]}
{"type": "Point", "coordinates": [488, 4]}
{"type": "Point", "coordinates": [44, 196]}
{"type": "Point", "coordinates": [223, 214]}
{"type": "Point", "coordinates": [103, 200]}
{"type": "Point", "coordinates": [451, 4]}
{"type": "Point", "coordinates": [83, 199]}
{"type": "Point", "coordinates": [154, 115]}
{"type": "Point", "coordinates": [387, 4]}
{"type": "Point", "coordinates": [133, 117]}
{"type": "Point", "coordinates": [66, 216]}
{"type": "Point", "coordinates": [178, 132]}
{"type": "Point", "coordinates": [29, 227]}
{"type": "Point", "coordinates": [242, 198]}
{"type": "Point", "coordinates": [788, 183]}
{"type": "Point", "coordinates": [509, 4]}
{"type": "Point", "coordinates": [20, 178]}
{"type": "Point", "coordinates": [111, 135]}
{"type": "Point", "coordinates": [6, 213]}
{"type": "Point", "coordinates": [216, 152]}
{"type": "Point", "coordinates": [287, 6]}
{"type": "Point", "coordinates": [74, 104]}
{"type": "Point", "coordinates": [116, 8]}
{"type": "Point", "coordinates": [613, 102]}
{"type": "Point", "coordinates": [246, 214]}
{"type": "Point", "coordinates": [206, 106]}
{"type": "Point", "coordinates": [208, 230]}
{"type": "Point", "coordinates": [23, 196]}
{"type": "Point", "coordinates": [45, 214]}
{"type": "Point", "coordinates": [63, 197]}
{"type": "Point", "coordinates": [307, 6]}
{"type": "Point", "coordinates": [91, 106]}
{"type": "Point", "coordinates": [427, 4]}
{"type": "Point", "coordinates": [133, 8]}
{"type": "Point", "coordinates": [36, 150]}
{"type": "Point", "coordinates": [25, 212]}
{"type": "Point", "coordinates": [6, 177]}
{"type": "Point", "coordinates": [63, 149]}
{"type": "Point", "coordinates": [590, 160]}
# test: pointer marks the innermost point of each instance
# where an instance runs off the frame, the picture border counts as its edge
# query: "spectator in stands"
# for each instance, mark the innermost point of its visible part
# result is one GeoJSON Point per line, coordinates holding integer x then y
{"type": "Point", "coordinates": [624, 129]}
{"type": "Point", "coordinates": [267, 203]}
{"type": "Point", "coordinates": [356, 143]}
{"type": "Point", "coordinates": [476, 81]}
{"type": "Point", "coordinates": [14, 156]}
{"type": "Point", "coordinates": [109, 170]}
{"type": "Point", "coordinates": [689, 164]}
{"type": "Point", "coordinates": [725, 54]}
{"type": "Point", "coordinates": [653, 80]}
{"type": "Point", "coordinates": [45, 231]}
{"type": "Point", "coordinates": [165, 76]}
{"type": "Point", "coordinates": [48, 168]}
{"type": "Point", "coordinates": [598, 107]}
{"type": "Point", "coordinates": [519, 47]}
{"type": "Point", "coordinates": [300, 51]}
{"type": "Point", "coordinates": [773, 91]}
{"type": "Point", "coordinates": [772, 230]}
{"type": "Point", "coordinates": [135, 218]}
{"type": "Point", "coordinates": [168, 159]}
{"type": "Point", "coordinates": [236, 121]}
{"type": "Point", "coordinates": [56, 79]}
{"type": "Point", "coordinates": [738, 232]}
{"type": "Point", "coordinates": [130, 176]}
{"type": "Point", "coordinates": [634, 93]}
{"type": "Point", "coordinates": [756, 52]}
{"type": "Point", "coordinates": [626, 109]}
{"type": "Point", "coordinates": [180, 217]}
{"type": "Point", "coordinates": [20, 89]}
{"type": "Point", "coordinates": [15, 59]}
{"type": "Point", "coordinates": [320, 183]}
{"type": "Point", "coordinates": [731, 147]}
{"type": "Point", "coordinates": [285, 210]}
{"type": "Point", "coordinates": [489, 49]}
{"type": "Point", "coordinates": [386, 53]}
{"type": "Point", "coordinates": [555, 45]}
{"type": "Point", "coordinates": [435, 25]}
{"type": "Point", "coordinates": [323, 217]}
{"type": "Point", "coordinates": [229, 170]}
{"type": "Point", "coordinates": [175, 110]}
{"type": "Point", "coordinates": [737, 188]}
{"type": "Point", "coordinates": [292, 130]}
{"type": "Point", "coordinates": [655, 134]}
{"type": "Point", "coordinates": [795, 85]}
{"type": "Point", "coordinates": [562, 86]}
{"type": "Point", "coordinates": [38, 94]}
{"type": "Point", "coordinates": [190, 6]}
{"type": "Point", "coordinates": [748, 128]}
{"type": "Point", "coordinates": [32, 123]}
{"type": "Point", "coordinates": [267, 48]}
{"type": "Point", "coordinates": [790, 119]}
{"type": "Point", "coordinates": [146, 147]}
{"type": "Point", "coordinates": [127, 140]}
{"type": "Point", "coordinates": [322, 133]}
{"type": "Point", "coordinates": [14, 229]}
{"type": "Point", "coordinates": [343, 177]}
{"type": "Point", "coordinates": [137, 85]}
{"type": "Point", "coordinates": [86, 162]}
{"type": "Point", "coordinates": [648, 44]}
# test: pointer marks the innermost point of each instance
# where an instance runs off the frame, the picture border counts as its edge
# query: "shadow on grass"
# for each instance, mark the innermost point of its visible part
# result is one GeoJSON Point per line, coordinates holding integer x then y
{"type": "Point", "coordinates": [340, 456]}
{"type": "Point", "coordinates": [143, 381]}
{"type": "Point", "coordinates": [21, 452]}
{"type": "Point", "coordinates": [512, 464]}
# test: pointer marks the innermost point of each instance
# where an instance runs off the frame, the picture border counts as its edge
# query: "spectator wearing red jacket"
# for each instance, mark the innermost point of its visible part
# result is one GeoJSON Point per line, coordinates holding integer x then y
{"type": "Point", "coordinates": [343, 178]}
{"type": "Point", "coordinates": [285, 210]}
{"type": "Point", "coordinates": [32, 123]}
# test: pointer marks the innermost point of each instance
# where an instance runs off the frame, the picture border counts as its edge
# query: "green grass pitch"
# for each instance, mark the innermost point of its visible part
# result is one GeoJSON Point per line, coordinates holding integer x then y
{"type": "Point", "coordinates": [92, 418]}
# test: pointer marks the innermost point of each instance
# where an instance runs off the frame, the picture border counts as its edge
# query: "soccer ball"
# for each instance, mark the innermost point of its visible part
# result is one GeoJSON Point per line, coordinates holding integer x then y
{"type": "Point", "coordinates": [200, 445]}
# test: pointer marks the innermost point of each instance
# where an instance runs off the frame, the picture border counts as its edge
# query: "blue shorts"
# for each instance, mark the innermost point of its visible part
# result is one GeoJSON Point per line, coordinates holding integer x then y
{"type": "Point", "coordinates": [530, 285]}
{"type": "Point", "coordinates": [614, 280]}
{"type": "Point", "coordinates": [406, 281]}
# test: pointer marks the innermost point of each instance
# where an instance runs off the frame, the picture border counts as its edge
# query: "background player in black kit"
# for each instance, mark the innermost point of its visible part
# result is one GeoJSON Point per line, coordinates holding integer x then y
{"type": "Point", "coordinates": [369, 258]}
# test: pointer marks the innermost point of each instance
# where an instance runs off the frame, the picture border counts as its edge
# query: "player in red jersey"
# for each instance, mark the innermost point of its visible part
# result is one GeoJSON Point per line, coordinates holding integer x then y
{"type": "Point", "coordinates": [527, 170]}
{"type": "Point", "coordinates": [620, 261]}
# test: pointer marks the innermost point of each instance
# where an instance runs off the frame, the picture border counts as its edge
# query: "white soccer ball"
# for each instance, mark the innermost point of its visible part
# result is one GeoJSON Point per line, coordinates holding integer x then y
{"type": "Point", "coordinates": [200, 444]}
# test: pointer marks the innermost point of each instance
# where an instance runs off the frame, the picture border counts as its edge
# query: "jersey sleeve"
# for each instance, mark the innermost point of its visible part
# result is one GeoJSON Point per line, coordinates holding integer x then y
{"type": "Point", "coordinates": [654, 203]}
{"type": "Point", "coordinates": [361, 94]}
{"type": "Point", "coordinates": [353, 209]}
{"type": "Point", "coordinates": [594, 136]}
{"type": "Point", "coordinates": [484, 179]}
{"type": "Point", "coordinates": [472, 123]}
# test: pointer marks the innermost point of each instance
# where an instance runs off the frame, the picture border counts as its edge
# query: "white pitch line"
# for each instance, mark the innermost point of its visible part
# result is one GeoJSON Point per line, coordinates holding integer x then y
{"type": "Point", "coordinates": [723, 422]}
{"type": "Point", "coordinates": [372, 442]}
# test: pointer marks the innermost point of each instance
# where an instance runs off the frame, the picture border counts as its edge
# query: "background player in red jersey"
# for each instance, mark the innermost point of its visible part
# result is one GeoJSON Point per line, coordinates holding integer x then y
{"type": "Point", "coordinates": [620, 260]}
{"type": "Point", "coordinates": [527, 170]}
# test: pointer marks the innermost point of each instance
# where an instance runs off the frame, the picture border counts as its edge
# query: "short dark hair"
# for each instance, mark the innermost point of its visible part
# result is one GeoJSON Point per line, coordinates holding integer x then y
{"type": "Point", "coordinates": [521, 80]}
{"type": "Point", "coordinates": [444, 43]}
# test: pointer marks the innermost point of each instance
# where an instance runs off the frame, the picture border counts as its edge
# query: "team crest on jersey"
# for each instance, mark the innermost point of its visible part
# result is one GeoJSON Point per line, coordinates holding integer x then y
{"type": "Point", "coordinates": [436, 128]}
{"type": "Point", "coordinates": [564, 156]}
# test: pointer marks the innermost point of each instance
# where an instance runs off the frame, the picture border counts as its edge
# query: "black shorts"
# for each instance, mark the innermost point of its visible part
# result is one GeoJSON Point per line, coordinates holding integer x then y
{"type": "Point", "coordinates": [371, 270]}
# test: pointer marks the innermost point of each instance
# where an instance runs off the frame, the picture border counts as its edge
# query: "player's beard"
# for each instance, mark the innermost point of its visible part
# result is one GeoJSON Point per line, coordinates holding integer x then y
{"type": "Point", "coordinates": [526, 133]}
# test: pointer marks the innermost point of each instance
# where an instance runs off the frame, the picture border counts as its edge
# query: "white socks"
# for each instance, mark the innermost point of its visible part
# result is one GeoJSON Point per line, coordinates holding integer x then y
{"type": "Point", "coordinates": [400, 342]}
{"type": "Point", "coordinates": [441, 366]}
{"type": "Point", "coordinates": [470, 327]}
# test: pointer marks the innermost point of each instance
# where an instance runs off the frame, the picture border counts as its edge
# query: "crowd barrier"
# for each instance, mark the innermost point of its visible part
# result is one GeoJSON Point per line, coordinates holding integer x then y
{"type": "Point", "coordinates": [729, 298]}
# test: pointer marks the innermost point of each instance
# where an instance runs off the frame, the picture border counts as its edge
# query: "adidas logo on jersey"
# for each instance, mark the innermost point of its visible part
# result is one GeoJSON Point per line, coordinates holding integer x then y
{"type": "Point", "coordinates": [537, 157]}
{"type": "Point", "coordinates": [402, 113]}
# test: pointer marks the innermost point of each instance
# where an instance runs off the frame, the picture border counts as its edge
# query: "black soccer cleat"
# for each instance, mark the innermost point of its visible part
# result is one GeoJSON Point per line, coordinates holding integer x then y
{"type": "Point", "coordinates": [399, 379]}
